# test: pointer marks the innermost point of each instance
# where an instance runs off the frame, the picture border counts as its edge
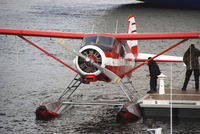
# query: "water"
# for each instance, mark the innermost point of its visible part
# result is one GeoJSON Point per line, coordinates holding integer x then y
{"type": "Point", "coordinates": [37, 77]}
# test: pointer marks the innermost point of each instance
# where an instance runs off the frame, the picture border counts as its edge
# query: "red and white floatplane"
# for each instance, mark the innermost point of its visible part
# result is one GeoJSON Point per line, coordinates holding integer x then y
{"type": "Point", "coordinates": [102, 57]}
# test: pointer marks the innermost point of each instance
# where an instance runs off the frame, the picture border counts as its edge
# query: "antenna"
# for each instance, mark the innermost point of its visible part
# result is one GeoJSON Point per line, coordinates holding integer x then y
{"type": "Point", "coordinates": [116, 26]}
{"type": "Point", "coordinates": [92, 28]}
{"type": "Point", "coordinates": [16, 49]}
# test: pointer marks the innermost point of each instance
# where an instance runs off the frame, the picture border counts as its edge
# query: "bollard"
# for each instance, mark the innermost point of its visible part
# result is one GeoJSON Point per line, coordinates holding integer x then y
{"type": "Point", "coordinates": [156, 130]}
{"type": "Point", "coordinates": [162, 77]}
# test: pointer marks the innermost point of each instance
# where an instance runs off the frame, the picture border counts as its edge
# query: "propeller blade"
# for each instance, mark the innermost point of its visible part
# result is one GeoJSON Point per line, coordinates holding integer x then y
{"type": "Point", "coordinates": [107, 72]}
{"type": "Point", "coordinates": [68, 48]}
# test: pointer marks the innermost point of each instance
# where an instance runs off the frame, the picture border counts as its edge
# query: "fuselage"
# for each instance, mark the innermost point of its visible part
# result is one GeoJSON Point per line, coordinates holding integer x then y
{"type": "Point", "coordinates": [106, 51]}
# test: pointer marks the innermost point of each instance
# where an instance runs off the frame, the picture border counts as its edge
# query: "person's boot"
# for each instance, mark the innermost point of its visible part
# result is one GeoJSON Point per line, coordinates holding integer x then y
{"type": "Point", "coordinates": [183, 89]}
{"type": "Point", "coordinates": [151, 91]}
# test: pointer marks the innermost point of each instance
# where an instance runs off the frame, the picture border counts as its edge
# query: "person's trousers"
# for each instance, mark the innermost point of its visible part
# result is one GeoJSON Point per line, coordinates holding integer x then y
{"type": "Point", "coordinates": [153, 83]}
{"type": "Point", "coordinates": [187, 78]}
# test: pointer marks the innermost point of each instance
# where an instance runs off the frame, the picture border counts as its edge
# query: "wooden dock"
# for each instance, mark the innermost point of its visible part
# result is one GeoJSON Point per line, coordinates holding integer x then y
{"type": "Point", "coordinates": [185, 104]}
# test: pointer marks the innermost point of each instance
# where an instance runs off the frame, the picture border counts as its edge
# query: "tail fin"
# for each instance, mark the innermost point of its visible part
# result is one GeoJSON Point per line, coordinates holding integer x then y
{"type": "Point", "coordinates": [132, 30]}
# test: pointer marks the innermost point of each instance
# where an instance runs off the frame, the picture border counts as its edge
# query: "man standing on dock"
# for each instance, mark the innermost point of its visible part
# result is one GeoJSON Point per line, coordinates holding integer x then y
{"type": "Point", "coordinates": [154, 71]}
{"type": "Point", "coordinates": [191, 60]}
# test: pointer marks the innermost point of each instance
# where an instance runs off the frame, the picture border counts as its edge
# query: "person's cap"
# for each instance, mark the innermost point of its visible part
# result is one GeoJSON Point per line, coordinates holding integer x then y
{"type": "Point", "coordinates": [192, 45]}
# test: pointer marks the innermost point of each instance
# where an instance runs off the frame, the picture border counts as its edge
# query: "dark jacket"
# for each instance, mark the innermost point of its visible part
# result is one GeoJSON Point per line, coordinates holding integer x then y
{"type": "Point", "coordinates": [190, 58]}
{"type": "Point", "coordinates": [153, 68]}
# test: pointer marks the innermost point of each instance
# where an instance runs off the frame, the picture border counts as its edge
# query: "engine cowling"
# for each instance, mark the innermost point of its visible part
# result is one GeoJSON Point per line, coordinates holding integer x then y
{"type": "Point", "coordinates": [95, 54]}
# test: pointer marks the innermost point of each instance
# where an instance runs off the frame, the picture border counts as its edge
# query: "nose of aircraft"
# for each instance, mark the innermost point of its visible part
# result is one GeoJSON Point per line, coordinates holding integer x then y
{"type": "Point", "coordinates": [95, 54]}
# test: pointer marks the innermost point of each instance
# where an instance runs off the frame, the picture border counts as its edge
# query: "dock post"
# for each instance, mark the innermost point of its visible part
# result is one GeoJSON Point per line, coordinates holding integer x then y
{"type": "Point", "coordinates": [162, 77]}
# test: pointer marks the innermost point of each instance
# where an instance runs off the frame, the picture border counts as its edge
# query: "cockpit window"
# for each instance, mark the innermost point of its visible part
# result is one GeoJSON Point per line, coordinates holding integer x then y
{"type": "Point", "coordinates": [104, 42]}
{"type": "Point", "coordinates": [91, 40]}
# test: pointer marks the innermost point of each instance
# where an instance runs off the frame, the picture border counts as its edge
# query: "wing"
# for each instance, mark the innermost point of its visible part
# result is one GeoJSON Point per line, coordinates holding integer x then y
{"type": "Point", "coordinates": [40, 33]}
{"type": "Point", "coordinates": [138, 36]}
{"type": "Point", "coordinates": [151, 36]}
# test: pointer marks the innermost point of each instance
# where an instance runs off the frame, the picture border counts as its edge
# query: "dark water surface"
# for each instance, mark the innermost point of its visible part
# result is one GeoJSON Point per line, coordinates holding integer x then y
{"type": "Point", "coordinates": [37, 78]}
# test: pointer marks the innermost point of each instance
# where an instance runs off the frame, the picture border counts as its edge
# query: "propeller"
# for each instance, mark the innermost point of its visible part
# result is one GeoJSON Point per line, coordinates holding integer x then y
{"type": "Point", "coordinates": [107, 72]}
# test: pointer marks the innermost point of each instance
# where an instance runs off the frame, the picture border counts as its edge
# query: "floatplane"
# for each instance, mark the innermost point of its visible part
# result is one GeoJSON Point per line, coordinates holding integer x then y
{"type": "Point", "coordinates": [102, 57]}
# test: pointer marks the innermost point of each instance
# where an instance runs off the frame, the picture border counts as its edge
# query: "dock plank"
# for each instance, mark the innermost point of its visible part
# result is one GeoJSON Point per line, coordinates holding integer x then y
{"type": "Point", "coordinates": [177, 94]}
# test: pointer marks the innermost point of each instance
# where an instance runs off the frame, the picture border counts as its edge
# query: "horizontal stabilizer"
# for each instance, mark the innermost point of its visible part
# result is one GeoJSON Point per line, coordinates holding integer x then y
{"type": "Point", "coordinates": [162, 58]}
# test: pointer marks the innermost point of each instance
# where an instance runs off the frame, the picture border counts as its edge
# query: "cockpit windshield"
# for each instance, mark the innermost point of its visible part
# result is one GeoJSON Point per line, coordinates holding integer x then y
{"type": "Point", "coordinates": [104, 42]}
{"type": "Point", "coordinates": [90, 40]}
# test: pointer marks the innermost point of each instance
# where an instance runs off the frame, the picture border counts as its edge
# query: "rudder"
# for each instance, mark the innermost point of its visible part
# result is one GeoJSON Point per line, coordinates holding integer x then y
{"type": "Point", "coordinates": [132, 30]}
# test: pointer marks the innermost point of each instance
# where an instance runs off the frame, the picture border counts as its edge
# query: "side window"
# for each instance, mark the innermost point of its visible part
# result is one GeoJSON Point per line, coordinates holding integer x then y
{"type": "Point", "coordinates": [118, 48]}
{"type": "Point", "coordinates": [122, 53]}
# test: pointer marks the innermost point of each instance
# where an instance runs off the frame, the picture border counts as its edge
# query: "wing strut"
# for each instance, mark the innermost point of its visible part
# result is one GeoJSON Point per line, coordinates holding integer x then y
{"type": "Point", "coordinates": [154, 57]}
{"type": "Point", "coordinates": [49, 54]}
